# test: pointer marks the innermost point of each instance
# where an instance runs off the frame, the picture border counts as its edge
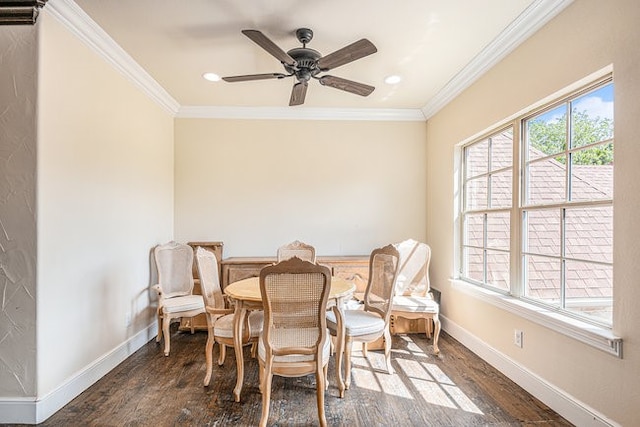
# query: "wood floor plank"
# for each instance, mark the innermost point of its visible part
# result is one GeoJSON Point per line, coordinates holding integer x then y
{"type": "Point", "coordinates": [455, 389]}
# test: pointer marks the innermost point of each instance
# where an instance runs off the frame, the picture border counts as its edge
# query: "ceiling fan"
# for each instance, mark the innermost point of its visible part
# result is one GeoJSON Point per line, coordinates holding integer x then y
{"type": "Point", "coordinates": [304, 64]}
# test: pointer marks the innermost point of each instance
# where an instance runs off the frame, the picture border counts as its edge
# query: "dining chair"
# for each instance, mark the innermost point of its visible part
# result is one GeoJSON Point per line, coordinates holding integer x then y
{"type": "Point", "coordinates": [372, 321]}
{"type": "Point", "coordinates": [174, 262]}
{"type": "Point", "coordinates": [219, 316]}
{"type": "Point", "coordinates": [294, 339]}
{"type": "Point", "coordinates": [298, 249]}
{"type": "Point", "coordinates": [413, 298]}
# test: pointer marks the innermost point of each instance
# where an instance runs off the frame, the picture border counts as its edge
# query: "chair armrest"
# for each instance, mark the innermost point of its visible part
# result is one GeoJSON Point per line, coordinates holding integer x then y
{"type": "Point", "coordinates": [220, 311]}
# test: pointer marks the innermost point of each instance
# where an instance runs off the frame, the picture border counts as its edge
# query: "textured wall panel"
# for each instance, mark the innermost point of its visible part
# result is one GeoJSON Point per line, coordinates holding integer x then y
{"type": "Point", "coordinates": [18, 90]}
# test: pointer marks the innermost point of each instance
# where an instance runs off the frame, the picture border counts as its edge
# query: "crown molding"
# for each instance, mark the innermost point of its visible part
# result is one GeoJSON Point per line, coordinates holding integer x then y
{"type": "Point", "coordinates": [79, 23]}
{"type": "Point", "coordinates": [531, 20]}
{"type": "Point", "coordinates": [20, 12]}
{"type": "Point", "coordinates": [288, 113]}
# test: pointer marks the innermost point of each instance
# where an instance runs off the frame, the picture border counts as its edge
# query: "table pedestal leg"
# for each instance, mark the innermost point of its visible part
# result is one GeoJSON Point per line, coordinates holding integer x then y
{"type": "Point", "coordinates": [238, 320]}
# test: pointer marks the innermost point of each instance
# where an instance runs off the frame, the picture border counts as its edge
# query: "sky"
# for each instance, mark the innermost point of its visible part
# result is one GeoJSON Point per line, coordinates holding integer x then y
{"type": "Point", "coordinates": [598, 103]}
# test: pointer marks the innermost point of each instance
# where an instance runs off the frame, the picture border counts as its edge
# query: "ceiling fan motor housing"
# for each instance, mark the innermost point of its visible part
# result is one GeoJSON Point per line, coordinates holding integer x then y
{"type": "Point", "coordinates": [306, 63]}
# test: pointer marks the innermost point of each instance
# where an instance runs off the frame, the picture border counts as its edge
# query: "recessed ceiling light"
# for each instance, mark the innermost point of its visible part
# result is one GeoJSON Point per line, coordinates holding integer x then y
{"type": "Point", "coordinates": [212, 77]}
{"type": "Point", "coordinates": [393, 79]}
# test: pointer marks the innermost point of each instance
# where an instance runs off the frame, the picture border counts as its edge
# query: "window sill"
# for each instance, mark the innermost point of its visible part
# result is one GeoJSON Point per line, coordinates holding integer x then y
{"type": "Point", "coordinates": [595, 336]}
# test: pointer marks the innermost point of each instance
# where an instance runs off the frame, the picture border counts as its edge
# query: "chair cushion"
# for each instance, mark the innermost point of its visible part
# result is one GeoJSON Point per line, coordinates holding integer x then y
{"type": "Point", "coordinates": [292, 358]}
{"type": "Point", "coordinates": [415, 304]}
{"type": "Point", "coordinates": [224, 325]}
{"type": "Point", "coordinates": [357, 322]}
{"type": "Point", "coordinates": [184, 303]}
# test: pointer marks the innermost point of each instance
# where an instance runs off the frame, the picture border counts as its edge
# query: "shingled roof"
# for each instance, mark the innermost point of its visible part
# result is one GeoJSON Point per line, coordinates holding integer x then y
{"type": "Point", "coordinates": [588, 232]}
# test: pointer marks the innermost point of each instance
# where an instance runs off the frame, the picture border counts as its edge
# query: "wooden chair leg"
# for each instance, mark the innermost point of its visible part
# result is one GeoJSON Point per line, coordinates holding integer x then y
{"type": "Point", "coordinates": [436, 333]}
{"type": "Point", "coordinates": [159, 337]}
{"type": "Point", "coordinates": [208, 354]}
{"type": "Point", "coordinates": [266, 394]}
{"type": "Point", "coordinates": [167, 338]}
{"type": "Point", "coordinates": [387, 350]}
{"type": "Point", "coordinates": [222, 355]}
{"type": "Point", "coordinates": [326, 377]}
{"type": "Point", "coordinates": [320, 386]}
{"type": "Point", "coordinates": [347, 362]}
{"type": "Point", "coordinates": [428, 327]}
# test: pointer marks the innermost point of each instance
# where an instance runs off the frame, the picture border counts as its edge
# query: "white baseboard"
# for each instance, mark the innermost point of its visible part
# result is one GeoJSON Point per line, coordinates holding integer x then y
{"type": "Point", "coordinates": [29, 410]}
{"type": "Point", "coordinates": [570, 408]}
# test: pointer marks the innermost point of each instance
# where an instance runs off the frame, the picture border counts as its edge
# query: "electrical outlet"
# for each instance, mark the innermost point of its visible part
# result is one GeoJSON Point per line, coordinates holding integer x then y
{"type": "Point", "coordinates": [517, 337]}
{"type": "Point", "coordinates": [127, 319]}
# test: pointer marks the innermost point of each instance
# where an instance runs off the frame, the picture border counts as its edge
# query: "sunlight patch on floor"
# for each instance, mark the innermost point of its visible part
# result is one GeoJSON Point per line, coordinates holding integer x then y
{"type": "Point", "coordinates": [426, 380]}
{"type": "Point", "coordinates": [374, 360]}
{"type": "Point", "coordinates": [411, 346]}
{"type": "Point", "coordinates": [461, 399]}
{"type": "Point", "coordinates": [433, 385]}
{"type": "Point", "coordinates": [393, 385]}
{"type": "Point", "coordinates": [365, 379]}
{"type": "Point", "coordinates": [413, 369]}
{"type": "Point", "coordinates": [432, 393]}
{"type": "Point", "coordinates": [437, 373]}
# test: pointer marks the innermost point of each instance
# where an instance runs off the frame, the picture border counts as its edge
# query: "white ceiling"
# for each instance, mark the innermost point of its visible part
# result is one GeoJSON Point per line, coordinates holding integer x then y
{"type": "Point", "coordinates": [437, 46]}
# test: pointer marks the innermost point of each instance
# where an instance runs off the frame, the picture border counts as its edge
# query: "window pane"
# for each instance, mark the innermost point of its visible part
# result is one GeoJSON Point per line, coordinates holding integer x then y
{"type": "Point", "coordinates": [477, 159]}
{"type": "Point", "coordinates": [592, 173]}
{"type": "Point", "coordinates": [592, 117]}
{"type": "Point", "coordinates": [476, 192]}
{"type": "Point", "coordinates": [501, 189]}
{"type": "Point", "coordinates": [498, 269]}
{"type": "Point", "coordinates": [502, 150]}
{"type": "Point", "coordinates": [542, 232]}
{"type": "Point", "coordinates": [542, 279]}
{"type": "Point", "coordinates": [474, 230]}
{"type": "Point", "coordinates": [546, 181]}
{"type": "Point", "coordinates": [589, 233]}
{"type": "Point", "coordinates": [547, 133]}
{"type": "Point", "coordinates": [498, 230]}
{"type": "Point", "coordinates": [589, 290]}
{"type": "Point", "coordinates": [473, 263]}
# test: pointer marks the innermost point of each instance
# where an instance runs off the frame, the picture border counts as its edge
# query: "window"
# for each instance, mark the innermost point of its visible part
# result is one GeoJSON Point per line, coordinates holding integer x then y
{"type": "Point", "coordinates": [488, 166]}
{"type": "Point", "coordinates": [545, 233]}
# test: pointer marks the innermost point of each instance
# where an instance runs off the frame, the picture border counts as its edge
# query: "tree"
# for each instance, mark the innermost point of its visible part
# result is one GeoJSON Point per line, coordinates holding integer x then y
{"type": "Point", "coordinates": [549, 136]}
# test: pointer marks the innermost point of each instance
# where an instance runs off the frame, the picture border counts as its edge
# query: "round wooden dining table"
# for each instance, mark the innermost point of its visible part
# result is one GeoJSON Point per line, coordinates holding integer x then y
{"type": "Point", "coordinates": [246, 295]}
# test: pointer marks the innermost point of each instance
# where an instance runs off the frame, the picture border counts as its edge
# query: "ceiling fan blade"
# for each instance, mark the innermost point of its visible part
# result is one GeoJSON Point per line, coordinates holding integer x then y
{"type": "Point", "coordinates": [346, 85]}
{"type": "Point", "coordinates": [250, 77]}
{"type": "Point", "coordinates": [356, 50]}
{"type": "Point", "coordinates": [264, 42]}
{"type": "Point", "coordinates": [298, 93]}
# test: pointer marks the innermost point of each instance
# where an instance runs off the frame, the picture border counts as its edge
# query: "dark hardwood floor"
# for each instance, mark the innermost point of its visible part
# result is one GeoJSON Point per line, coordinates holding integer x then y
{"type": "Point", "coordinates": [455, 389]}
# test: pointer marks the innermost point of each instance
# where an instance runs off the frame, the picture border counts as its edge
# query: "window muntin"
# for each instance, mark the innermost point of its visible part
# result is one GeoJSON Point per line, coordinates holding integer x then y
{"type": "Point", "coordinates": [565, 221]}
{"type": "Point", "coordinates": [488, 199]}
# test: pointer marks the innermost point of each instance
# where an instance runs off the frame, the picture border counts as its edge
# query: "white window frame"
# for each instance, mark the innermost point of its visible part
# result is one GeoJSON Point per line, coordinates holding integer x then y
{"type": "Point", "coordinates": [597, 335]}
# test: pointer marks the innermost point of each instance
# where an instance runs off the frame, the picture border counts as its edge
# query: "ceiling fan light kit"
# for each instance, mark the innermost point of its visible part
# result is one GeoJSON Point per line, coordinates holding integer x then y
{"type": "Point", "coordinates": [304, 64]}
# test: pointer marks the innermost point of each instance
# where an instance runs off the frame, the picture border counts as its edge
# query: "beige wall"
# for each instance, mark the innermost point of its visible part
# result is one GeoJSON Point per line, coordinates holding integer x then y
{"type": "Point", "coordinates": [587, 36]}
{"type": "Point", "coordinates": [345, 187]}
{"type": "Point", "coordinates": [105, 198]}
{"type": "Point", "coordinates": [18, 97]}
